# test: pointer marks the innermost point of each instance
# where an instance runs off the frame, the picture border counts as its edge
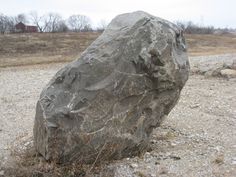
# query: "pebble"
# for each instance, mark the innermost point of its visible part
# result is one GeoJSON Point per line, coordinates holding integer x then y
{"type": "Point", "coordinates": [173, 144]}
{"type": "Point", "coordinates": [194, 106]}
{"type": "Point", "coordinates": [147, 153]}
{"type": "Point", "coordinates": [234, 161]}
{"type": "Point", "coordinates": [27, 143]}
{"type": "Point", "coordinates": [153, 141]}
{"type": "Point", "coordinates": [1, 173]}
{"type": "Point", "coordinates": [218, 148]}
{"type": "Point", "coordinates": [134, 165]}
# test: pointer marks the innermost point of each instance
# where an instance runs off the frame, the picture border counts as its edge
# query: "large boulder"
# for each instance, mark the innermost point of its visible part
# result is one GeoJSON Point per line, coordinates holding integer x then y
{"type": "Point", "coordinates": [104, 105]}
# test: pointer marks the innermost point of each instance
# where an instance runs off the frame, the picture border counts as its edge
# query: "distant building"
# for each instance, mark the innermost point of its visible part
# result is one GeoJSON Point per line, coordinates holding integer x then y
{"type": "Point", "coordinates": [22, 28]}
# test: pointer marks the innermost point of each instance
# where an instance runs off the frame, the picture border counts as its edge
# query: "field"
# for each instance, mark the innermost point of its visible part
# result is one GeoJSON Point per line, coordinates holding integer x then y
{"type": "Point", "coordinates": [28, 49]}
{"type": "Point", "coordinates": [197, 139]}
{"type": "Point", "coordinates": [38, 48]}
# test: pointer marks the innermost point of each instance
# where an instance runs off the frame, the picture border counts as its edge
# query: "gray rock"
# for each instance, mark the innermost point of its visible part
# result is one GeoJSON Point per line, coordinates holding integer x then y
{"type": "Point", "coordinates": [1, 173]}
{"type": "Point", "coordinates": [211, 66]}
{"type": "Point", "coordinates": [228, 73]}
{"type": "Point", "coordinates": [104, 105]}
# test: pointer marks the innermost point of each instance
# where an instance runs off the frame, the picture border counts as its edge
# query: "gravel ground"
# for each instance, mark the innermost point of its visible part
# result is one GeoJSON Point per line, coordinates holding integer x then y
{"type": "Point", "coordinates": [211, 65]}
{"type": "Point", "coordinates": [198, 138]}
{"type": "Point", "coordinates": [19, 91]}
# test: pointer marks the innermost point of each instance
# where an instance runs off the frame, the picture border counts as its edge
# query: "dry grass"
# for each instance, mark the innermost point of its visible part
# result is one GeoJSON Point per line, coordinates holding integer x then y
{"type": "Point", "coordinates": [26, 162]}
{"type": "Point", "coordinates": [219, 159]}
{"type": "Point", "coordinates": [166, 136]}
{"type": "Point", "coordinates": [29, 163]}
{"type": "Point", "coordinates": [38, 48]}
{"type": "Point", "coordinates": [200, 45]}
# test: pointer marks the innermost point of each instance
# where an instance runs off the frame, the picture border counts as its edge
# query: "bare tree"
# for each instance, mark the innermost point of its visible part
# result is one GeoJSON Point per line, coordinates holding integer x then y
{"type": "Point", "coordinates": [53, 22]}
{"type": "Point", "coordinates": [181, 24]}
{"type": "Point", "coordinates": [39, 21]}
{"type": "Point", "coordinates": [102, 25]}
{"type": "Point", "coordinates": [21, 18]}
{"type": "Point", "coordinates": [3, 26]}
{"type": "Point", "coordinates": [11, 24]}
{"type": "Point", "coordinates": [79, 23]}
{"type": "Point", "coordinates": [191, 28]}
{"type": "Point", "coordinates": [62, 27]}
{"type": "Point", "coordinates": [6, 24]}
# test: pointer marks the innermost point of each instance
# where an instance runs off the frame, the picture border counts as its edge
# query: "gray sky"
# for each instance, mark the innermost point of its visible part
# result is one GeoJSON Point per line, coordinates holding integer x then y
{"type": "Point", "coordinates": [219, 13]}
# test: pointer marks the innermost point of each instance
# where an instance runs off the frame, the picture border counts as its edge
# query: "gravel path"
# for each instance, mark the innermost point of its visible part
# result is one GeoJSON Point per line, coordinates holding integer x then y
{"type": "Point", "coordinates": [197, 139]}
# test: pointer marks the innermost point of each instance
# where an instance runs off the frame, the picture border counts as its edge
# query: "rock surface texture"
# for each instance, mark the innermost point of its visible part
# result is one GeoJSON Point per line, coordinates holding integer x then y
{"type": "Point", "coordinates": [104, 105]}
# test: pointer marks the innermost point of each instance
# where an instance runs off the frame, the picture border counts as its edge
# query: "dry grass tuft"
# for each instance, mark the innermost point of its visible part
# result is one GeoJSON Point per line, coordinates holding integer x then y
{"type": "Point", "coordinates": [219, 159]}
{"type": "Point", "coordinates": [29, 163]}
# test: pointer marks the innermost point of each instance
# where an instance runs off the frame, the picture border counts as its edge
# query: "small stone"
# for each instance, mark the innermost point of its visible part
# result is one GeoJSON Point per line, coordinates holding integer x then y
{"type": "Point", "coordinates": [147, 153]}
{"type": "Point", "coordinates": [153, 141]}
{"type": "Point", "coordinates": [168, 154]}
{"type": "Point", "coordinates": [27, 143]}
{"type": "Point", "coordinates": [175, 157]}
{"type": "Point", "coordinates": [173, 144]}
{"type": "Point", "coordinates": [228, 73]}
{"type": "Point", "coordinates": [134, 165]}
{"type": "Point", "coordinates": [194, 106]}
{"type": "Point", "coordinates": [218, 148]}
{"type": "Point", "coordinates": [2, 173]}
{"type": "Point", "coordinates": [234, 161]}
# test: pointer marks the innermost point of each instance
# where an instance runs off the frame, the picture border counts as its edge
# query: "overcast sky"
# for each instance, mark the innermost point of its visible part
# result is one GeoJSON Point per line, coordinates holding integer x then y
{"type": "Point", "coordinates": [219, 13]}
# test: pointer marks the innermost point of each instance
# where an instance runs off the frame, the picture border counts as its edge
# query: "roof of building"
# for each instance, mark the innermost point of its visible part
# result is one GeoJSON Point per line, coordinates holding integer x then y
{"type": "Point", "coordinates": [26, 24]}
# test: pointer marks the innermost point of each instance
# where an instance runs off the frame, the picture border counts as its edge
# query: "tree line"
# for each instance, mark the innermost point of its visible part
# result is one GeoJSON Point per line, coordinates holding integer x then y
{"type": "Point", "coordinates": [191, 28]}
{"type": "Point", "coordinates": [50, 22]}
{"type": "Point", "coordinates": [54, 22]}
